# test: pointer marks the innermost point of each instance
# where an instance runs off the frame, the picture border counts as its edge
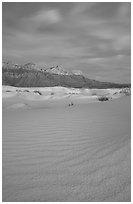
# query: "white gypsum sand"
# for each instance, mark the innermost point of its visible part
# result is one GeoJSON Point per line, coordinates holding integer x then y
{"type": "Point", "coordinates": [18, 97]}
{"type": "Point", "coordinates": [62, 153]}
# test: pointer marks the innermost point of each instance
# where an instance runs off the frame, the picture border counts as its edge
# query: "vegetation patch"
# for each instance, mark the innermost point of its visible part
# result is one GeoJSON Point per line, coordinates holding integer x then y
{"type": "Point", "coordinates": [93, 94]}
{"type": "Point", "coordinates": [38, 92]}
{"type": "Point", "coordinates": [127, 92]}
{"type": "Point", "coordinates": [26, 90]}
{"type": "Point", "coordinates": [103, 98]}
{"type": "Point", "coordinates": [8, 91]}
{"type": "Point", "coordinates": [19, 90]}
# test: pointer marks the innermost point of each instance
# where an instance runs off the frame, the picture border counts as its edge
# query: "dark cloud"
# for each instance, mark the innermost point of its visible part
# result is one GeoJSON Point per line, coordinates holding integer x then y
{"type": "Point", "coordinates": [110, 10]}
{"type": "Point", "coordinates": [93, 37]}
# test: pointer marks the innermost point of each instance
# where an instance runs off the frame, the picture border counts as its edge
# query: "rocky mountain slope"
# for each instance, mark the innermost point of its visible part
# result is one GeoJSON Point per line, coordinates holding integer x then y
{"type": "Point", "coordinates": [29, 75]}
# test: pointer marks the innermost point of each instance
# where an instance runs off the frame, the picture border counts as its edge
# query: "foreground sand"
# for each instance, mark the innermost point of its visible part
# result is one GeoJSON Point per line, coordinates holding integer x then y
{"type": "Point", "coordinates": [61, 153]}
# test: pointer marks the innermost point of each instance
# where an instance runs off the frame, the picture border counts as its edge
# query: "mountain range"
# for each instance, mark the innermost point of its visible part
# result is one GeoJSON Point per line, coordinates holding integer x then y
{"type": "Point", "coordinates": [31, 75]}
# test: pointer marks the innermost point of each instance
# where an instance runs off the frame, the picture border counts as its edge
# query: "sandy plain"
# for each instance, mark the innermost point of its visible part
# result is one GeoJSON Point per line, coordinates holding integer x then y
{"type": "Point", "coordinates": [55, 152]}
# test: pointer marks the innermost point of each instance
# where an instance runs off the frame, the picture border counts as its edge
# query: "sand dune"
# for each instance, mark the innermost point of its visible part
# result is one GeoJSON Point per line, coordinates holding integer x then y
{"type": "Point", "coordinates": [18, 105]}
{"type": "Point", "coordinates": [56, 96]}
{"type": "Point", "coordinates": [79, 153]}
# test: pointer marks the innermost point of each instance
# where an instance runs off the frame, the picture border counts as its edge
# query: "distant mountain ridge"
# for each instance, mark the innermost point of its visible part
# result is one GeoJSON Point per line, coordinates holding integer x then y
{"type": "Point", "coordinates": [31, 66]}
{"type": "Point", "coordinates": [30, 75]}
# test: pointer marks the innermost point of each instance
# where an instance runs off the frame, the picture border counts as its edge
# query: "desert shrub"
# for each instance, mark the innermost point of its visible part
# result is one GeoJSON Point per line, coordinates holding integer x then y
{"type": "Point", "coordinates": [93, 94]}
{"type": "Point", "coordinates": [103, 98]}
{"type": "Point", "coordinates": [18, 90]}
{"type": "Point", "coordinates": [38, 92]}
{"type": "Point", "coordinates": [26, 90]}
{"type": "Point", "coordinates": [127, 92]}
{"type": "Point", "coordinates": [8, 91]}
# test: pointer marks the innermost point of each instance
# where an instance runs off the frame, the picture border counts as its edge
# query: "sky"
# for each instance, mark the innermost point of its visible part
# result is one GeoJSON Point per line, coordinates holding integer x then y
{"type": "Point", "coordinates": [89, 36]}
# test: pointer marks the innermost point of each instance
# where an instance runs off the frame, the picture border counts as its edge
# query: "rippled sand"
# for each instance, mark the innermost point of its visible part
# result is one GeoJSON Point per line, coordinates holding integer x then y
{"type": "Point", "coordinates": [77, 153]}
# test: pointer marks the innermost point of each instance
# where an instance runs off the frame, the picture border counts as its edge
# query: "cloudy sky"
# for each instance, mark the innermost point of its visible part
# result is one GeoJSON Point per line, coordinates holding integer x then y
{"type": "Point", "coordinates": [91, 37]}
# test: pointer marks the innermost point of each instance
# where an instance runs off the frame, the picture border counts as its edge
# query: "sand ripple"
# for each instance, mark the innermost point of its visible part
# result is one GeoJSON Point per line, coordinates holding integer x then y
{"type": "Point", "coordinates": [63, 154]}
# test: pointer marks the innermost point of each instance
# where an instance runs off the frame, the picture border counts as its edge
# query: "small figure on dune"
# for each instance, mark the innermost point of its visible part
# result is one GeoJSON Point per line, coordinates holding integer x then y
{"type": "Point", "coordinates": [71, 104]}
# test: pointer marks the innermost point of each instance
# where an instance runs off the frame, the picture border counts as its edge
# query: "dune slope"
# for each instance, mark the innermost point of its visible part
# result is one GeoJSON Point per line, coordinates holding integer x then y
{"type": "Point", "coordinates": [79, 153]}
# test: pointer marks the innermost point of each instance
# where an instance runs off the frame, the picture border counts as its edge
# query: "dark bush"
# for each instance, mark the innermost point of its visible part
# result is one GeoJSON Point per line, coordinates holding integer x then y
{"type": "Point", "coordinates": [103, 98]}
{"type": "Point", "coordinates": [93, 94]}
{"type": "Point", "coordinates": [38, 92]}
{"type": "Point", "coordinates": [8, 91]}
{"type": "Point", "coordinates": [19, 90]}
{"type": "Point", "coordinates": [26, 90]}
